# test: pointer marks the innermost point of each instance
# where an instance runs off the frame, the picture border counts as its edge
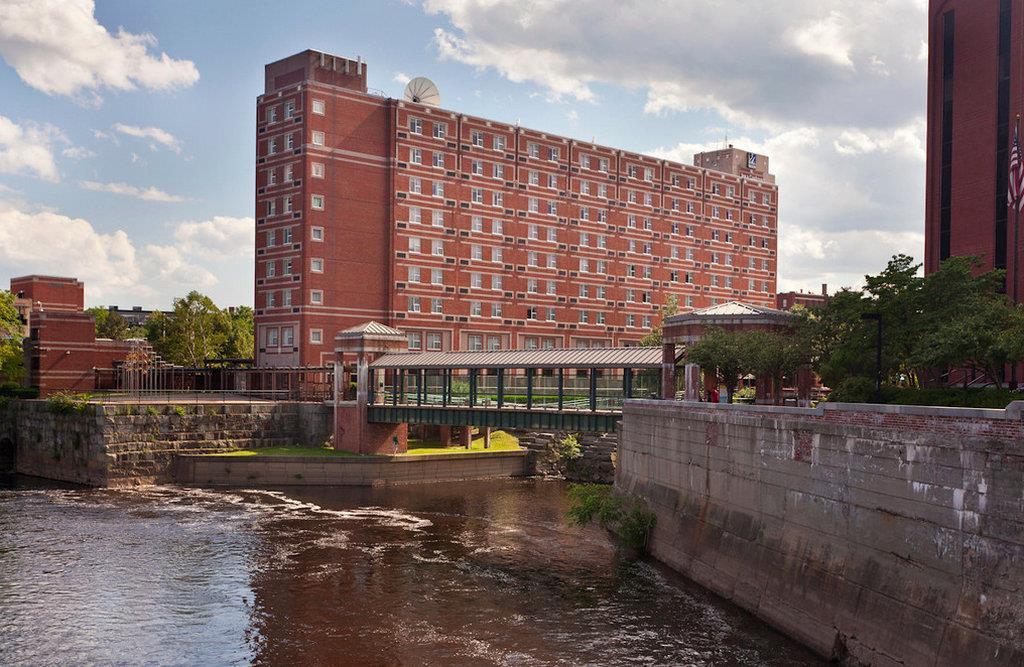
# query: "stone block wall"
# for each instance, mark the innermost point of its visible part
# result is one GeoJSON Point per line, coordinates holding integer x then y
{"type": "Point", "coordinates": [874, 534]}
{"type": "Point", "coordinates": [597, 463]}
{"type": "Point", "coordinates": [119, 444]}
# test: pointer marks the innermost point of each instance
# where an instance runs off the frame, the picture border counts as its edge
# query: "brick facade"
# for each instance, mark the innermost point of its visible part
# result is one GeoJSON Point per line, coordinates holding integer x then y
{"type": "Point", "coordinates": [973, 98]}
{"type": "Point", "coordinates": [468, 233]}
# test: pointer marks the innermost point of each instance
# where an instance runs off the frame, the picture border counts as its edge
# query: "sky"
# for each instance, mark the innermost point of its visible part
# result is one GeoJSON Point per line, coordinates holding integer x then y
{"type": "Point", "coordinates": [127, 128]}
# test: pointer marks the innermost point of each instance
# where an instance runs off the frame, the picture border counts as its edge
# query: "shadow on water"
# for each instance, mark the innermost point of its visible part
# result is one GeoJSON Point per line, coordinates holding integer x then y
{"type": "Point", "coordinates": [468, 573]}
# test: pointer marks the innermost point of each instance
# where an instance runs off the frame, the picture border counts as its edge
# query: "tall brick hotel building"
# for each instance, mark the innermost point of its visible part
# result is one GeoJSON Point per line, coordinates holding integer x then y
{"type": "Point", "coordinates": [975, 89]}
{"type": "Point", "coordinates": [469, 233]}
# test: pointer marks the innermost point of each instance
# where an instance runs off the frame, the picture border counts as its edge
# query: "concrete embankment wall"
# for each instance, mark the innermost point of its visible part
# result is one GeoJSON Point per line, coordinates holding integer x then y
{"type": "Point", "coordinates": [347, 471]}
{"type": "Point", "coordinates": [114, 444]}
{"type": "Point", "coordinates": [874, 534]}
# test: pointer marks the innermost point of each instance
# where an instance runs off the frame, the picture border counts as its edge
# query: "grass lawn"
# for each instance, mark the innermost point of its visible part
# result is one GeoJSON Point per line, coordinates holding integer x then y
{"type": "Point", "coordinates": [286, 451]}
{"type": "Point", "coordinates": [500, 442]}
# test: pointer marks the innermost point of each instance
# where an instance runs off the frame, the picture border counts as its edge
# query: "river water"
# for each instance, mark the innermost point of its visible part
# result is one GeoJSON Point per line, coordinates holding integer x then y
{"type": "Point", "coordinates": [469, 573]}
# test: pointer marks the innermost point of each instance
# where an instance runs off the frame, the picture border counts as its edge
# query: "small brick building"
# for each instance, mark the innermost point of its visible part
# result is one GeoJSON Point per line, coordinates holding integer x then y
{"type": "Point", "coordinates": [61, 348]}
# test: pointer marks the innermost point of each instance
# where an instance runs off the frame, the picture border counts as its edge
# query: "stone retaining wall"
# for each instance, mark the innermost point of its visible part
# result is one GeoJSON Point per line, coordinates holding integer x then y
{"type": "Point", "coordinates": [597, 463]}
{"type": "Point", "coordinates": [118, 444]}
{"type": "Point", "coordinates": [346, 470]}
{"type": "Point", "coordinates": [876, 534]}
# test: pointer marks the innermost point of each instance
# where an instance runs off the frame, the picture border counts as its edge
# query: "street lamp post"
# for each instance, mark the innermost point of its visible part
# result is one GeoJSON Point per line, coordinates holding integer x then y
{"type": "Point", "coordinates": [877, 317]}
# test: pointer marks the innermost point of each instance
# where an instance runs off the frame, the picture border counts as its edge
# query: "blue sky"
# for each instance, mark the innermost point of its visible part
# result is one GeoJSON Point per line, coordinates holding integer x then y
{"type": "Point", "coordinates": [633, 75]}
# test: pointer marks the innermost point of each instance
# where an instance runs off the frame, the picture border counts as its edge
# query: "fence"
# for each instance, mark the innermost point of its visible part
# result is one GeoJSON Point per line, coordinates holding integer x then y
{"type": "Point", "coordinates": [158, 382]}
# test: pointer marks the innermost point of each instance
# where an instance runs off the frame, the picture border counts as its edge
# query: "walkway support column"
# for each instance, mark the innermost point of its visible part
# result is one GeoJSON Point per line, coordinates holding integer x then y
{"type": "Point", "coordinates": [692, 380]}
{"type": "Point", "coordinates": [668, 371]}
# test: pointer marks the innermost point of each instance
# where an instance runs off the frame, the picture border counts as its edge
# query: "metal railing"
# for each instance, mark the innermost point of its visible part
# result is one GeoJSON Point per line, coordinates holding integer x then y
{"type": "Point", "coordinates": [153, 381]}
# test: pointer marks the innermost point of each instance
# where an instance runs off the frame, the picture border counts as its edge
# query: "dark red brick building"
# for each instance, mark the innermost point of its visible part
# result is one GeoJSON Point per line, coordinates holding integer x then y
{"type": "Point", "coordinates": [975, 52]}
{"type": "Point", "coordinates": [61, 350]}
{"type": "Point", "coordinates": [469, 233]}
{"type": "Point", "coordinates": [786, 300]}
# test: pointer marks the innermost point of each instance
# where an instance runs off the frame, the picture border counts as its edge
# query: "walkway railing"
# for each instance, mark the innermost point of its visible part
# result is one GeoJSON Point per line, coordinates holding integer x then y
{"type": "Point", "coordinates": [162, 383]}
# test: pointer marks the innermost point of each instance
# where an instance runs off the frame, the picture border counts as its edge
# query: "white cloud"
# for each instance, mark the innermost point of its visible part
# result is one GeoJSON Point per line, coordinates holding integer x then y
{"type": "Point", "coordinates": [832, 91]}
{"type": "Point", "coordinates": [159, 136]}
{"type": "Point", "coordinates": [146, 194]}
{"type": "Point", "coordinates": [115, 267]}
{"type": "Point", "coordinates": [218, 239]}
{"type": "Point", "coordinates": [59, 48]}
{"type": "Point", "coordinates": [28, 148]}
{"type": "Point", "coordinates": [77, 153]}
{"type": "Point", "coordinates": [401, 77]}
{"type": "Point", "coordinates": [169, 264]}
{"type": "Point", "coordinates": [47, 242]}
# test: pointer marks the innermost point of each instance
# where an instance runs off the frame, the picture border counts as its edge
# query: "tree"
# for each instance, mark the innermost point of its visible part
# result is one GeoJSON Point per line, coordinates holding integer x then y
{"type": "Point", "coordinates": [239, 344]}
{"type": "Point", "coordinates": [770, 354]}
{"type": "Point", "coordinates": [719, 352]}
{"type": "Point", "coordinates": [112, 325]}
{"type": "Point", "coordinates": [195, 330]}
{"type": "Point", "coordinates": [12, 367]}
{"type": "Point", "coordinates": [653, 337]}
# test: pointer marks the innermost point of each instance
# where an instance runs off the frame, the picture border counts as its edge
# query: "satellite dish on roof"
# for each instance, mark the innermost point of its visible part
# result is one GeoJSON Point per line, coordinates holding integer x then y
{"type": "Point", "coordinates": [422, 90]}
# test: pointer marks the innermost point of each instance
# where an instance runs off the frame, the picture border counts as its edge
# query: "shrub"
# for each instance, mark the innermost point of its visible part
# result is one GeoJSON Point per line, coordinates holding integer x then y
{"type": "Point", "coordinates": [569, 448]}
{"type": "Point", "coordinates": [152, 411]}
{"type": "Point", "coordinates": [744, 395]}
{"type": "Point", "coordinates": [178, 410]}
{"type": "Point", "coordinates": [12, 390]}
{"type": "Point", "coordinates": [625, 516]}
{"type": "Point", "coordinates": [855, 389]}
{"type": "Point", "coordinates": [67, 402]}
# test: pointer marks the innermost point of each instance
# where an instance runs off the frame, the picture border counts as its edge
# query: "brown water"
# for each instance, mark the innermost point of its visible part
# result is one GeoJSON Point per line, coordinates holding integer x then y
{"type": "Point", "coordinates": [470, 573]}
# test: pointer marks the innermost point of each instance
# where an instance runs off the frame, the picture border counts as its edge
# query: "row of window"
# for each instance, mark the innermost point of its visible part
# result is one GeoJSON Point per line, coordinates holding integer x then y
{"type": "Point", "coordinates": [284, 298]}
{"type": "Point", "coordinates": [286, 236]}
{"type": "Point", "coordinates": [285, 336]}
{"type": "Point", "coordinates": [479, 138]}
{"type": "Point", "coordinates": [316, 202]}
{"type": "Point", "coordinates": [317, 170]}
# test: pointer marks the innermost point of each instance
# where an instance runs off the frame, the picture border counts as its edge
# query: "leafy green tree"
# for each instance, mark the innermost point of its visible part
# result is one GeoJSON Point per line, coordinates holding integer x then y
{"type": "Point", "coordinates": [239, 344]}
{"type": "Point", "coordinates": [194, 330]}
{"type": "Point", "coordinates": [721, 353]}
{"type": "Point", "coordinates": [12, 367]}
{"type": "Point", "coordinates": [770, 354]}
{"type": "Point", "coordinates": [113, 325]}
{"type": "Point", "coordinates": [653, 337]}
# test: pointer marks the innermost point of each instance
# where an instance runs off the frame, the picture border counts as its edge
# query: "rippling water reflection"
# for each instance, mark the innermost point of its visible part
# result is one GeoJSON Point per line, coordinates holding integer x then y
{"type": "Point", "coordinates": [471, 573]}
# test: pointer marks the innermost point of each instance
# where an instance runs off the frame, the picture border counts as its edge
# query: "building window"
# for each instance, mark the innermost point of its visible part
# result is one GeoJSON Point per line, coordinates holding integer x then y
{"type": "Point", "coordinates": [414, 304]}
{"type": "Point", "coordinates": [475, 308]}
{"type": "Point", "coordinates": [414, 274]}
{"type": "Point", "coordinates": [440, 129]}
{"type": "Point", "coordinates": [415, 156]}
{"type": "Point", "coordinates": [272, 339]}
{"type": "Point", "coordinates": [438, 190]}
{"type": "Point", "coordinates": [316, 265]}
{"type": "Point", "coordinates": [286, 299]}
{"type": "Point", "coordinates": [271, 114]}
{"type": "Point", "coordinates": [316, 296]}
{"type": "Point", "coordinates": [289, 141]}
{"type": "Point", "coordinates": [437, 218]}
{"type": "Point", "coordinates": [271, 146]}
{"type": "Point", "coordinates": [477, 223]}
{"type": "Point", "coordinates": [496, 309]}
{"type": "Point", "coordinates": [318, 138]}
{"type": "Point", "coordinates": [317, 202]}
{"type": "Point", "coordinates": [436, 277]}
{"type": "Point", "coordinates": [477, 137]}
{"type": "Point", "coordinates": [433, 341]}
{"type": "Point", "coordinates": [289, 109]}
{"type": "Point", "coordinates": [415, 126]}
{"type": "Point", "coordinates": [316, 233]}
{"type": "Point", "coordinates": [270, 269]}
{"type": "Point", "coordinates": [437, 306]}
{"type": "Point", "coordinates": [414, 340]}
{"type": "Point", "coordinates": [499, 142]}
{"type": "Point", "coordinates": [319, 108]}
{"type": "Point", "coordinates": [476, 342]}
{"type": "Point", "coordinates": [318, 170]}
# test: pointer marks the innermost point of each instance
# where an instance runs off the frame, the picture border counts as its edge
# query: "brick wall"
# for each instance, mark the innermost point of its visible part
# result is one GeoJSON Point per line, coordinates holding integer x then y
{"type": "Point", "coordinates": [881, 534]}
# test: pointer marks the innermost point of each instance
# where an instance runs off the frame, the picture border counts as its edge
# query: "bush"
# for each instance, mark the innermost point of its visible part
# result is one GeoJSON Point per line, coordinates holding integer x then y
{"type": "Point", "coordinates": [854, 389]}
{"type": "Point", "coordinates": [744, 395]}
{"type": "Point", "coordinates": [67, 402]}
{"type": "Point", "coordinates": [152, 411]}
{"type": "Point", "coordinates": [626, 517]}
{"type": "Point", "coordinates": [178, 410]}
{"type": "Point", "coordinates": [951, 397]}
{"type": "Point", "coordinates": [569, 448]}
{"type": "Point", "coordinates": [12, 390]}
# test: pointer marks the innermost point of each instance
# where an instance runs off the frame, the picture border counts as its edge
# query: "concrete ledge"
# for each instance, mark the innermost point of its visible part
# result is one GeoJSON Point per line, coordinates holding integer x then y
{"type": "Point", "coordinates": [347, 470]}
{"type": "Point", "coordinates": [1013, 412]}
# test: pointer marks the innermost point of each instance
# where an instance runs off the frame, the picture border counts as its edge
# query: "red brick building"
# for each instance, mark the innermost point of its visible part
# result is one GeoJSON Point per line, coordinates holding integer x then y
{"type": "Point", "coordinates": [61, 349]}
{"type": "Point", "coordinates": [786, 300]}
{"type": "Point", "coordinates": [974, 94]}
{"type": "Point", "coordinates": [469, 233]}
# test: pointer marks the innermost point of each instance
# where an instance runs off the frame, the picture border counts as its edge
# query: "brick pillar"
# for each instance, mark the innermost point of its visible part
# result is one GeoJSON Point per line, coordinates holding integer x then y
{"type": "Point", "coordinates": [466, 436]}
{"type": "Point", "coordinates": [445, 435]}
{"type": "Point", "coordinates": [487, 437]}
{"type": "Point", "coordinates": [763, 392]}
{"type": "Point", "coordinates": [692, 379]}
{"type": "Point", "coordinates": [668, 371]}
